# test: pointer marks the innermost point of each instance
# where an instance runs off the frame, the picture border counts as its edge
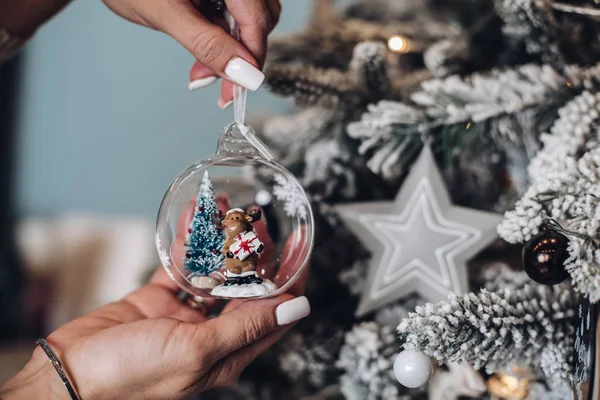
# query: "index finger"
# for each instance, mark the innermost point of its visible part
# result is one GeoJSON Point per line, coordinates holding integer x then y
{"type": "Point", "coordinates": [210, 44]}
{"type": "Point", "coordinates": [255, 20]}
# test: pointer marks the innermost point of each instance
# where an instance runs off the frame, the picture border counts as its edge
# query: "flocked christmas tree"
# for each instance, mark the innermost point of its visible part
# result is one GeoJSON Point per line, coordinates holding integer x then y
{"type": "Point", "coordinates": [205, 239]}
{"type": "Point", "coordinates": [507, 90]}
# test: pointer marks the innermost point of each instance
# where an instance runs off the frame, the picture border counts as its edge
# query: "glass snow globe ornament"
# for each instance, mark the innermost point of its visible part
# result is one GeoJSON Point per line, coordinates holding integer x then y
{"type": "Point", "coordinates": [224, 233]}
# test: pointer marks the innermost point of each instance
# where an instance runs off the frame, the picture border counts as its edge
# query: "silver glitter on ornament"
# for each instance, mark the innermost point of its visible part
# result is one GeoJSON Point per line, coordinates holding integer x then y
{"type": "Point", "coordinates": [419, 242]}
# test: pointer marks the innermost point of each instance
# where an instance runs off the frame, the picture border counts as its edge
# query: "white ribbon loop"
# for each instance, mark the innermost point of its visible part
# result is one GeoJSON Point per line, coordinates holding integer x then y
{"type": "Point", "coordinates": [239, 102]}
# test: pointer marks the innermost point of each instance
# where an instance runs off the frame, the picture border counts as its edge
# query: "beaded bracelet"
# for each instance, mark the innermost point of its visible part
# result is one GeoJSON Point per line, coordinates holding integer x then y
{"type": "Point", "coordinates": [58, 367]}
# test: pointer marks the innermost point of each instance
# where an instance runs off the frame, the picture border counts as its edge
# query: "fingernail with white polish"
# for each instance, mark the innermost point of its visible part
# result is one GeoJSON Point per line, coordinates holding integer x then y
{"type": "Point", "coordinates": [292, 310]}
{"type": "Point", "coordinates": [244, 74]}
{"type": "Point", "coordinates": [224, 105]}
{"type": "Point", "coordinates": [200, 83]}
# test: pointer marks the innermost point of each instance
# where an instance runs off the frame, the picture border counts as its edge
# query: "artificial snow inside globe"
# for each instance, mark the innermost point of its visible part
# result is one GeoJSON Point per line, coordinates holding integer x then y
{"type": "Point", "coordinates": [235, 224]}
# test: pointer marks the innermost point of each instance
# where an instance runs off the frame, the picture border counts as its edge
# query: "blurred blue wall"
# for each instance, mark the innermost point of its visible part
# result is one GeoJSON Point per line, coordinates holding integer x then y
{"type": "Point", "coordinates": [106, 121]}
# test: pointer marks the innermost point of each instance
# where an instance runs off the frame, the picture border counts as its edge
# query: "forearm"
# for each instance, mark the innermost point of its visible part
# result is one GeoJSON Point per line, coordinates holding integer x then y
{"type": "Point", "coordinates": [24, 17]}
{"type": "Point", "coordinates": [37, 380]}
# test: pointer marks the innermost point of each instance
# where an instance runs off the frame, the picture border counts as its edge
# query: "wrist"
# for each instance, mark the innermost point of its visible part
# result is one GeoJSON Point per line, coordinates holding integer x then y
{"type": "Point", "coordinates": [37, 380]}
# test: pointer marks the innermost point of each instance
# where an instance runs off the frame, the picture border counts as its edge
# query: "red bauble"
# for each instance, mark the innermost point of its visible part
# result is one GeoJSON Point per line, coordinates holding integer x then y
{"type": "Point", "coordinates": [189, 231]}
{"type": "Point", "coordinates": [188, 255]}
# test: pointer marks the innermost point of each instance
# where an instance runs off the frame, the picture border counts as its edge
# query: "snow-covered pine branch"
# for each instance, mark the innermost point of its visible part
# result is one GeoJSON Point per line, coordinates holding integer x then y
{"type": "Point", "coordinates": [565, 185]}
{"type": "Point", "coordinates": [354, 277]}
{"type": "Point", "coordinates": [584, 267]}
{"type": "Point", "coordinates": [497, 276]}
{"type": "Point", "coordinates": [310, 359]}
{"type": "Point", "coordinates": [441, 57]}
{"type": "Point", "coordinates": [573, 131]}
{"type": "Point", "coordinates": [312, 86]}
{"type": "Point", "coordinates": [549, 31]}
{"type": "Point", "coordinates": [539, 391]}
{"type": "Point", "coordinates": [367, 359]}
{"type": "Point", "coordinates": [556, 362]}
{"type": "Point", "coordinates": [346, 91]}
{"type": "Point", "coordinates": [389, 130]}
{"type": "Point", "coordinates": [327, 166]}
{"type": "Point", "coordinates": [368, 69]}
{"type": "Point", "coordinates": [496, 329]}
{"type": "Point", "coordinates": [528, 24]}
{"type": "Point", "coordinates": [563, 174]}
{"type": "Point", "coordinates": [290, 135]}
{"type": "Point", "coordinates": [390, 315]}
{"type": "Point", "coordinates": [479, 97]}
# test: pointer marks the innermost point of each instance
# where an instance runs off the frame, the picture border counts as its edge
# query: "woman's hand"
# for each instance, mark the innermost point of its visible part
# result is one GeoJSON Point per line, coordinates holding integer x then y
{"type": "Point", "coordinates": [151, 346]}
{"type": "Point", "coordinates": [195, 24]}
{"type": "Point", "coordinates": [202, 31]}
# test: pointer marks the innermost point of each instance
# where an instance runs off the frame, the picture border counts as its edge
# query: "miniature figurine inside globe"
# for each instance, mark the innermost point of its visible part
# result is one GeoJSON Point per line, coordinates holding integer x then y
{"type": "Point", "coordinates": [235, 225]}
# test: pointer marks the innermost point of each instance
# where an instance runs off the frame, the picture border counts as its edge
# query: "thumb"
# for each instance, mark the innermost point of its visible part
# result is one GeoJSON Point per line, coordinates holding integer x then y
{"type": "Point", "coordinates": [211, 45]}
{"type": "Point", "coordinates": [252, 320]}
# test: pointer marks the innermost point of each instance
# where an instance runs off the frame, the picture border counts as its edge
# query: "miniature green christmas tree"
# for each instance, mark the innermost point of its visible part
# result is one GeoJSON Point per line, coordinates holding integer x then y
{"type": "Point", "coordinates": [205, 239]}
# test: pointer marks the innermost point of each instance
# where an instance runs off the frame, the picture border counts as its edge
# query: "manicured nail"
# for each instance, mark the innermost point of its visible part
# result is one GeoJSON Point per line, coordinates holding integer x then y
{"type": "Point", "coordinates": [292, 310]}
{"type": "Point", "coordinates": [224, 105]}
{"type": "Point", "coordinates": [200, 83]}
{"type": "Point", "coordinates": [244, 74]}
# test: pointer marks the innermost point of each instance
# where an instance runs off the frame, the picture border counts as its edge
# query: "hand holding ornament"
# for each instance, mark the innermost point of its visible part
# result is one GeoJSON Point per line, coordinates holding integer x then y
{"type": "Point", "coordinates": [150, 345]}
{"type": "Point", "coordinates": [198, 25]}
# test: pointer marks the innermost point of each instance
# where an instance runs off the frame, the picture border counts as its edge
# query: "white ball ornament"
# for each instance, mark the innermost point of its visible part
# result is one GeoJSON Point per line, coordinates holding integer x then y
{"type": "Point", "coordinates": [412, 368]}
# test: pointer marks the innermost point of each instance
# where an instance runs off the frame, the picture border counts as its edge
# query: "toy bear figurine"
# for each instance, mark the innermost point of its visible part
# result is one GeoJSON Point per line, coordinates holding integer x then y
{"type": "Point", "coordinates": [241, 247]}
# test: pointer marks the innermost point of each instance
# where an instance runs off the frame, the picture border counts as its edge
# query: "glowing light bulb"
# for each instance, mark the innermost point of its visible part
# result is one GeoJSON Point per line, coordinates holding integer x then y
{"type": "Point", "coordinates": [398, 44]}
{"type": "Point", "coordinates": [514, 387]}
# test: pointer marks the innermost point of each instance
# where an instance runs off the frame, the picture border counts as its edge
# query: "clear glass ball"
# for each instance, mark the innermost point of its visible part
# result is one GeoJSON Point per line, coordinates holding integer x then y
{"type": "Point", "coordinates": [235, 224]}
